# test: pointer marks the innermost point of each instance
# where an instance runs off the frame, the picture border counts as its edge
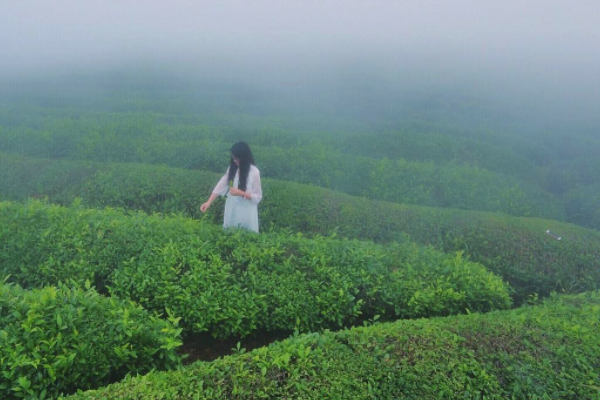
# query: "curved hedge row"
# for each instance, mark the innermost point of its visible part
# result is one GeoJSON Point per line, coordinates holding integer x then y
{"type": "Point", "coordinates": [425, 144]}
{"type": "Point", "coordinates": [231, 283]}
{"type": "Point", "coordinates": [551, 351]}
{"type": "Point", "coordinates": [59, 339]}
{"type": "Point", "coordinates": [417, 143]}
{"type": "Point", "coordinates": [515, 248]}
{"type": "Point", "coordinates": [409, 182]}
{"type": "Point", "coordinates": [397, 180]}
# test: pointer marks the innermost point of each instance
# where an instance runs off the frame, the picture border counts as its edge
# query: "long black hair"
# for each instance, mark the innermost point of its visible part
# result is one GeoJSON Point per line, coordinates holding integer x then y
{"type": "Point", "coordinates": [241, 150]}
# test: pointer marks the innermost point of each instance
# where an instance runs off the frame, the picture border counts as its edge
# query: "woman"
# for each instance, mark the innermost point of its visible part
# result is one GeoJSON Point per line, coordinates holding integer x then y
{"type": "Point", "coordinates": [241, 185]}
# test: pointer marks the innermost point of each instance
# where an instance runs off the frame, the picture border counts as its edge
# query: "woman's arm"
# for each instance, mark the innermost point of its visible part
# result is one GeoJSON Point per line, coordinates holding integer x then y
{"type": "Point", "coordinates": [212, 198]}
{"type": "Point", "coordinates": [219, 190]}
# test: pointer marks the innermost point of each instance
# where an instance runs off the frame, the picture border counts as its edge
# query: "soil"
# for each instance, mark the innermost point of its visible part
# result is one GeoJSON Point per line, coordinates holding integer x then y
{"type": "Point", "coordinates": [203, 347]}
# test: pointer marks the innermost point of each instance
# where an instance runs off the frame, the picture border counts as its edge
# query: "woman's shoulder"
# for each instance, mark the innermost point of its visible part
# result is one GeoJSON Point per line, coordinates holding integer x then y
{"type": "Point", "coordinates": [254, 169]}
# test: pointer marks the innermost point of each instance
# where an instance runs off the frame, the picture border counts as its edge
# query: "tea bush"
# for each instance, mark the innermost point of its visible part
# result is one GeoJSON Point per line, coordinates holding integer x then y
{"type": "Point", "coordinates": [232, 282]}
{"type": "Point", "coordinates": [59, 339]}
{"type": "Point", "coordinates": [452, 184]}
{"type": "Point", "coordinates": [425, 144]}
{"type": "Point", "coordinates": [548, 351]}
{"type": "Point", "coordinates": [515, 248]}
{"type": "Point", "coordinates": [92, 130]}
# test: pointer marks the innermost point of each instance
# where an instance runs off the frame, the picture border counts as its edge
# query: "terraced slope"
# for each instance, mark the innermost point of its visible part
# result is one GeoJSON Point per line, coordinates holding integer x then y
{"type": "Point", "coordinates": [518, 249]}
{"type": "Point", "coordinates": [456, 185]}
{"type": "Point", "coordinates": [550, 351]}
{"type": "Point", "coordinates": [231, 283]}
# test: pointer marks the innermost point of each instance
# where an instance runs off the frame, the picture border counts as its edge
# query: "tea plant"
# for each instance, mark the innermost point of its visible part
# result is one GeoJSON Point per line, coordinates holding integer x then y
{"type": "Point", "coordinates": [548, 351]}
{"type": "Point", "coordinates": [59, 339]}
{"type": "Point", "coordinates": [231, 282]}
{"type": "Point", "coordinates": [517, 249]}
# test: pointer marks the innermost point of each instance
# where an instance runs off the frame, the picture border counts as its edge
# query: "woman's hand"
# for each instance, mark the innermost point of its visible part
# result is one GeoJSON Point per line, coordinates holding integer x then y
{"type": "Point", "coordinates": [204, 207]}
{"type": "Point", "coordinates": [236, 192]}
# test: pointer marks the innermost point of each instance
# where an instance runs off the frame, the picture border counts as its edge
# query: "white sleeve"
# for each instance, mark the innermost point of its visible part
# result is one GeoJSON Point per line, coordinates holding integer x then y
{"type": "Point", "coordinates": [256, 187]}
{"type": "Point", "coordinates": [223, 186]}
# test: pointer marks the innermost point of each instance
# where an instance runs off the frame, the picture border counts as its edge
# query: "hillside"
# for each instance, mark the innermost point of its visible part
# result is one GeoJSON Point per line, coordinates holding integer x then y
{"type": "Point", "coordinates": [549, 351]}
{"type": "Point", "coordinates": [518, 249]}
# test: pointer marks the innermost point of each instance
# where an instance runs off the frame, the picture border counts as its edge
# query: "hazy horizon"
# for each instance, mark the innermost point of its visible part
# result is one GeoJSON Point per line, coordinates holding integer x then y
{"type": "Point", "coordinates": [536, 60]}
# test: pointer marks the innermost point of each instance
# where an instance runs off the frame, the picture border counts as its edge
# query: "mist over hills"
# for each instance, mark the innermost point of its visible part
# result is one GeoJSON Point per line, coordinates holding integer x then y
{"type": "Point", "coordinates": [341, 98]}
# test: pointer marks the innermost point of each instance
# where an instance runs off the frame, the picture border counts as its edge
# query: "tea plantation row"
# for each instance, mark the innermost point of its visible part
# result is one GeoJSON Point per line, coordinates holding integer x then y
{"type": "Point", "coordinates": [544, 157]}
{"type": "Point", "coordinates": [517, 249]}
{"type": "Point", "coordinates": [396, 180]}
{"type": "Point", "coordinates": [540, 158]}
{"type": "Point", "coordinates": [231, 283]}
{"type": "Point", "coordinates": [59, 339]}
{"type": "Point", "coordinates": [550, 351]}
{"type": "Point", "coordinates": [416, 141]}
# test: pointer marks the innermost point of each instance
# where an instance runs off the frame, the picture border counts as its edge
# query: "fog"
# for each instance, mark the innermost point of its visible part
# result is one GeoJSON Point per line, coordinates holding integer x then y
{"type": "Point", "coordinates": [535, 62]}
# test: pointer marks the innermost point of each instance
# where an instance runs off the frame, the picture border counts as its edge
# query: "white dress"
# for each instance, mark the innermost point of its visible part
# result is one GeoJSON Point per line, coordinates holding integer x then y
{"type": "Point", "coordinates": [240, 212]}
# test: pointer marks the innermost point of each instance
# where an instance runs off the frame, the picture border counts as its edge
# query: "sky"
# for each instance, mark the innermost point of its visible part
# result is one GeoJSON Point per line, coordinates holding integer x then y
{"type": "Point", "coordinates": [535, 51]}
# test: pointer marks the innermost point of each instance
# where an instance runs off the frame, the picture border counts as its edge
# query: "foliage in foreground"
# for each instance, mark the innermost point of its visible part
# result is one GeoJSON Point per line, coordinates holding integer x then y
{"type": "Point", "coordinates": [517, 249]}
{"type": "Point", "coordinates": [550, 351]}
{"type": "Point", "coordinates": [232, 282]}
{"type": "Point", "coordinates": [59, 339]}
